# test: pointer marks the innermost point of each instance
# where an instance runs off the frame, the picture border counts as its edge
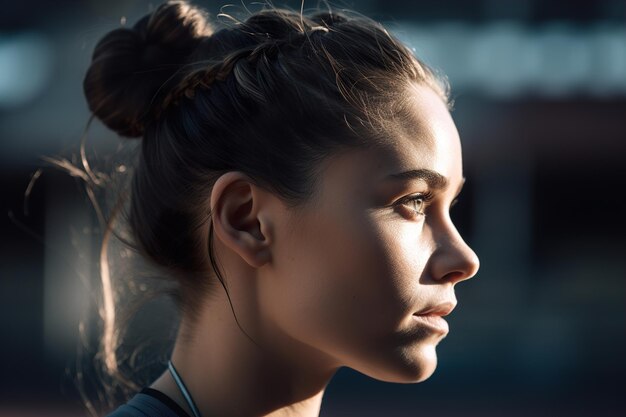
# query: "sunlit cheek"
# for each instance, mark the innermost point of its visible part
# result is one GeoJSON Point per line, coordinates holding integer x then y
{"type": "Point", "coordinates": [407, 242]}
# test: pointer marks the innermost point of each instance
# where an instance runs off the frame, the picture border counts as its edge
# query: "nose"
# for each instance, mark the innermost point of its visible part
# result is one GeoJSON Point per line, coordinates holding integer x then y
{"type": "Point", "coordinates": [453, 260]}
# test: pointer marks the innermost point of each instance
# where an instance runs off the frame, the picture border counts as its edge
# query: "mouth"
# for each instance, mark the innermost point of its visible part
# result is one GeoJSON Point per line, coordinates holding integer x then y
{"type": "Point", "coordinates": [441, 309]}
{"type": "Point", "coordinates": [432, 316]}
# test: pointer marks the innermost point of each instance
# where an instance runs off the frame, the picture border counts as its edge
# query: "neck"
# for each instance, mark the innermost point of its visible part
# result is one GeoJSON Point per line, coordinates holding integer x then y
{"type": "Point", "coordinates": [229, 375]}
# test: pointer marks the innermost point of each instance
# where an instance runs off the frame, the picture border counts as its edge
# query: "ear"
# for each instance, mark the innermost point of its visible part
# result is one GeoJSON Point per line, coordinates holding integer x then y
{"type": "Point", "coordinates": [238, 208]}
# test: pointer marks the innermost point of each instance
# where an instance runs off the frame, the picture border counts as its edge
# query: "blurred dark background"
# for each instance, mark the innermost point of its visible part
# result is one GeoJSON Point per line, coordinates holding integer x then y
{"type": "Point", "coordinates": [540, 89]}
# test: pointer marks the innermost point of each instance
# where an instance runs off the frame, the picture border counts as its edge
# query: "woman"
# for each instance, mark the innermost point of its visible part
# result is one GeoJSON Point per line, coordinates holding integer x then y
{"type": "Point", "coordinates": [295, 179]}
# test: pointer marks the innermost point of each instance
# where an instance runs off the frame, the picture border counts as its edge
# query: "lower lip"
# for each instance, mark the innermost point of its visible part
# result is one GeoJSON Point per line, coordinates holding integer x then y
{"type": "Point", "coordinates": [433, 321]}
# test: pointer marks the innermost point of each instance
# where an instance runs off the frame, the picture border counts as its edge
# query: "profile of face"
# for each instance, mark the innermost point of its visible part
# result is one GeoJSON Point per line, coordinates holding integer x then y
{"type": "Point", "coordinates": [363, 271]}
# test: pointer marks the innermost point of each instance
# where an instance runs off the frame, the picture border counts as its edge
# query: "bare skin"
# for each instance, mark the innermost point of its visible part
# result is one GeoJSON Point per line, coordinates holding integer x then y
{"type": "Point", "coordinates": [333, 283]}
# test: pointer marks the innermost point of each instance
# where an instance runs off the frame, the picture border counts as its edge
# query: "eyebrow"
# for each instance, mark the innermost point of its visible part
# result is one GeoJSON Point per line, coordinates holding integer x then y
{"type": "Point", "coordinates": [432, 178]}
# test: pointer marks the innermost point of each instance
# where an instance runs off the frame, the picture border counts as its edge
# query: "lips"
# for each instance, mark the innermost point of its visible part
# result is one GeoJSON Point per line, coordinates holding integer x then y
{"type": "Point", "coordinates": [432, 316]}
{"type": "Point", "coordinates": [440, 309]}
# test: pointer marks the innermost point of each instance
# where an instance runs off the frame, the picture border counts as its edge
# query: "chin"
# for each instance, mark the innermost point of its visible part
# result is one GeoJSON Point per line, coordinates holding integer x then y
{"type": "Point", "coordinates": [409, 366]}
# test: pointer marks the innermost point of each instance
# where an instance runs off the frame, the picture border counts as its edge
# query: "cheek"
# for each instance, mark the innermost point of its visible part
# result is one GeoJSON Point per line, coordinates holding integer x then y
{"type": "Point", "coordinates": [346, 279]}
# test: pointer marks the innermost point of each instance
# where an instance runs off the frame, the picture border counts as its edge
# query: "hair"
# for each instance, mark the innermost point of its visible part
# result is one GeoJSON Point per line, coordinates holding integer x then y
{"type": "Point", "coordinates": [271, 96]}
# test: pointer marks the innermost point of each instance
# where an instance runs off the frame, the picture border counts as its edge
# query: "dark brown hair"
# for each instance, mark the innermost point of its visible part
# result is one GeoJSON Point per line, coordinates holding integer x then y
{"type": "Point", "coordinates": [271, 96]}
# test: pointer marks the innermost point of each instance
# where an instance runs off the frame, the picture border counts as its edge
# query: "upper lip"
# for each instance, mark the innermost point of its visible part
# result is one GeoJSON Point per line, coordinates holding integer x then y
{"type": "Point", "coordinates": [441, 309]}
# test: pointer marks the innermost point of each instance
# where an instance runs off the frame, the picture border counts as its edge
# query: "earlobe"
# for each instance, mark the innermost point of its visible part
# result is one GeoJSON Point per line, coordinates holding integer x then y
{"type": "Point", "coordinates": [237, 212]}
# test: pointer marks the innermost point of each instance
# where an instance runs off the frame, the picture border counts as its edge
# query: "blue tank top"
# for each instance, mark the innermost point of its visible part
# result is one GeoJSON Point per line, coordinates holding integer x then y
{"type": "Point", "coordinates": [150, 403]}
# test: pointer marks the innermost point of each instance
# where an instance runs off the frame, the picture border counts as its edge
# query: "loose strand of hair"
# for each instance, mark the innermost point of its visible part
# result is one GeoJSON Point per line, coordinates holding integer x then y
{"type": "Point", "coordinates": [83, 157]}
{"type": "Point", "coordinates": [216, 268]}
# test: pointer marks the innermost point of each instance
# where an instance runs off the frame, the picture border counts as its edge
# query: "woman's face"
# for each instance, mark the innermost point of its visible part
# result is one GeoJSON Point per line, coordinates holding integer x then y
{"type": "Point", "coordinates": [353, 267]}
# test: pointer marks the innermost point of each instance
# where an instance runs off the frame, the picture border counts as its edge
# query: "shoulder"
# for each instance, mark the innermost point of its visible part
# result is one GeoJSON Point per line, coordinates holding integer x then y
{"type": "Point", "coordinates": [149, 403]}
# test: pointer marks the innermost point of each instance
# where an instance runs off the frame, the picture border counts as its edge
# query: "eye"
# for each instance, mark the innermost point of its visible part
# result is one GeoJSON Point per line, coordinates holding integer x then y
{"type": "Point", "coordinates": [417, 202]}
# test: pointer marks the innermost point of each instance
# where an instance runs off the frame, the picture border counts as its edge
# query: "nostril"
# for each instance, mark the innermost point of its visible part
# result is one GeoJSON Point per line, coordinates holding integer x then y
{"type": "Point", "coordinates": [456, 276]}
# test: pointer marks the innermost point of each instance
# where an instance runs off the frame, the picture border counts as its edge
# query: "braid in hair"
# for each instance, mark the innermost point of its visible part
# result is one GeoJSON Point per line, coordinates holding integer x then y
{"type": "Point", "coordinates": [282, 36]}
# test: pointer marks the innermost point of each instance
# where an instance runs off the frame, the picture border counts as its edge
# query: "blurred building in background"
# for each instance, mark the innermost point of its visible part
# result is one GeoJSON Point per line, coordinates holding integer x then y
{"type": "Point", "coordinates": [540, 104]}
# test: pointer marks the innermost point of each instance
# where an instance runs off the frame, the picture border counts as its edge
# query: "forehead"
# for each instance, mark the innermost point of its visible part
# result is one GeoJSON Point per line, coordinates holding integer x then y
{"type": "Point", "coordinates": [423, 135]}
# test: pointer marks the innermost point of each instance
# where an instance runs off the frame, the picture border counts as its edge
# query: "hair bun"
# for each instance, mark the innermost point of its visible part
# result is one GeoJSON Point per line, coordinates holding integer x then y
{"type": "Point", "coordinates": [131, 67]}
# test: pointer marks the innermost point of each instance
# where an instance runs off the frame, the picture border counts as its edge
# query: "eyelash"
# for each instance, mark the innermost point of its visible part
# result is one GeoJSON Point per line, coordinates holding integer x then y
{"type": "Point", "coordinates": [425, 198]}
